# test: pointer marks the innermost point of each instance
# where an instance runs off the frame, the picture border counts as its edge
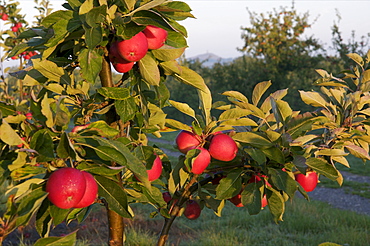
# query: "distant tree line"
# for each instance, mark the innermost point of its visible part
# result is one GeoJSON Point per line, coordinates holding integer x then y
{"type": "Point", "coordinates": [274, 49]}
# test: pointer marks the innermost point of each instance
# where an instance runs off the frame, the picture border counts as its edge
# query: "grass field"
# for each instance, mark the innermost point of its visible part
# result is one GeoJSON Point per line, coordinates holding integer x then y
{"type": "Point", "coordinates": [305, 223]}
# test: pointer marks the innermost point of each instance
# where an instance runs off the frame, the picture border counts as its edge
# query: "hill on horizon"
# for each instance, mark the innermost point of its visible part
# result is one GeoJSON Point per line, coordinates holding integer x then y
{"type": "Point", "coordinates": [209, 59]}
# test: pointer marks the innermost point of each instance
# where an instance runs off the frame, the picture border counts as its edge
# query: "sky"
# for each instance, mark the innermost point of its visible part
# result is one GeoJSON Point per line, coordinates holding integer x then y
{"type": "Point", "coordinates": [217, 27]}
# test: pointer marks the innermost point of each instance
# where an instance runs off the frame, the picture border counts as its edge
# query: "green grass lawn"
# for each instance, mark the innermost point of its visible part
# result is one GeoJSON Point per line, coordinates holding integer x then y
{"type": "Point", "coordinates": [305, 223]}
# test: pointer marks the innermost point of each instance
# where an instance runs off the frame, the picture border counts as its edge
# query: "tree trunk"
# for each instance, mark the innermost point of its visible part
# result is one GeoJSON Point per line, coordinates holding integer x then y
{"type": "Point", "coordinates": [115, 221]}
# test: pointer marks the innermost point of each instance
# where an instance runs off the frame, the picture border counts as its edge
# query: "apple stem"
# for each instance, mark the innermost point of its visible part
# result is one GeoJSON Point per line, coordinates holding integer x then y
{"type": "Point", "coordinates": [115, 221]}
{"type": "Point", "coordinates": [187, 191]}
{"type": "Point", "coordinates": [191, 187]}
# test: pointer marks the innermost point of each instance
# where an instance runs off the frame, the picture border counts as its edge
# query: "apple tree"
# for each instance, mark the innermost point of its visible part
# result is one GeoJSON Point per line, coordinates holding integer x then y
{"type": "Point", "coordinates": [65, 129]}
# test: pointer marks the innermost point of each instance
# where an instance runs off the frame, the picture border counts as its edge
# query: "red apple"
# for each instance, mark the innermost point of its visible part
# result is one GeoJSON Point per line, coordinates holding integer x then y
{"type": "Point", "coordinates": [156, 36]}
{"type": "Point", "coordinates": [192, 210]}
{"type": "Point", "coordinates": [186, 140]}
{"type": "Point", "coordinates": [133, 49]}
{"type": "Point", "coordinates": [14, 57]}
{"type": "Point", "coordinates": [29, 116]}
{"type": "Point", "coordinates": [14, 29]}
{"type": "Point", "coordinates": [66, 187]}
{"type": "Point", "coordinates": [4, 17]}
{"type": "Point", "coordinates": [166, 197]}
{"type": "Point", "coordinates": [91, 191]}
{"type": "Point", "coordinates": [223, 147]}
{"type": "Point", "coordinates": [308, 181]}
{"type": "Point", "coordinates": [19, 24]}
{"type": "Point", "coordinates": [201, 162]}
{"type": "Point", "coordinates": [264, 201]}
{"type": "Point", "coordinates": [156, 170]}
{"type": "Point", "coordinates": [122, 66]}
{"type": "Point", "coordinates": [237, 200]}
{"type": "Point", "coordinates": [21, 145]}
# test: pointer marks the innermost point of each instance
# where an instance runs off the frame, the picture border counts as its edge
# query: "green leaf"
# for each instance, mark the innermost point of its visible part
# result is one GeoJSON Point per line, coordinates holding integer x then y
{"type": "Point", "coordinates": [148, 6]}
{"type": "Point", "coordinates": [356, 58]}
{"type": "Point", "coordinates": [126, 109]}
{"type": "Point", "coordinates": [254, 139]}
{"type": "Point", "coordinates": [313, 98]}
{"type": "Point", "coordinates": [149, 70]}
{"type": "Point", "coordinates": [91, 64]}
{"type": "Point", "coordinates": [19, 162]}
{"type": "Point", "coordinates": [251, 197]}
{"type": "Point", "coordinates": [259, 90]}
{"type": "Point", "coordinates": [62, 115]}
{"type": "Point", "coordinates": [48, 69]}
{"type": "Point", "coordinates": [190, 77]}
{"type": "Point", "coordinates": [177, 125]}
{"type": "Point", "coordinates": [171, 67]}
{"type": "Point", "coordinates": [86, 6]}
{"type": "Point", "coordinates": [323, 167]}
{"type": "Point", "coordinates": [256, 155]}
{"type": "Point", "coordinates": [8, 134]}
{"type": "Point", "coordinates": [230, 185]}
{"type": "Point", "coordinates": [236, 95]}
{"type": "Point", "coordinates": [43, 219]}
{"type": "Point", "coordinates": [357, 151]}
{"type": "Point", "coordinates": [65, 148]}
{"type": "Point", "coordinates": [234, 113]}
{"type": "Point", "coordinates": [275, 154]}
{"type": "Point", "coordinates": [116, 93]}
{"type": "Point", "coordinates": [300, 163]}
{"type": "Point", "coordinates": [28, 204]}
{"type": "Point", "coordinates": [54, 17]}
{"type": "Point", "coordinates": [331, 152]}
{"type": "Point", "coordinates": [130, 4]}
{"type": "Point", "coordinates": [239, 122]}
{"type": "Point", "coordinates": [103, 129]}
{"type": "Point", "coordinates": [114, 195]}
{"type": "Point", "coordinates": [168, 53]}
{"type": "Point", "coordinates": [131, 161]}
{"type": "Point", "coordinates": [176, 40]}
{"type": "Point", "coordinates": [205, 103]}
{"type": "Point", "coordinates": [93, 36]}
{"type": "Point", "coordinates": [183, 108]}
{"type": "Point", "coordinates": [67, 240]}
{"type": "Point", "coordinates": [46, 110]}
{"type": "Point", "coordinates": [96, 16]}
{"type": "Point", "coordinates": [58, 214]}
{"type": "Point", "coordinates": [283, 181]}
{"type": "Point", "coordinates": [101, 170]}
{"type": "Point", "coordinates": [6, 109]}
{"type": "Point", "coordinates": [276, 204]}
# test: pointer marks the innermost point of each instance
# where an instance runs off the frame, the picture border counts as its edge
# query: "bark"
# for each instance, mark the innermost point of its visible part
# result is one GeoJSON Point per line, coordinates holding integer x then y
{"type": "Point", "coordinates": [115, 221]}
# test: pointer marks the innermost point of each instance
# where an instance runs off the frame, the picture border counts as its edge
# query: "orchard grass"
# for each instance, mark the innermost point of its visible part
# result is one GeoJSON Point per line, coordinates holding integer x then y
{"type": "Point", "coordinates": [305, 223]}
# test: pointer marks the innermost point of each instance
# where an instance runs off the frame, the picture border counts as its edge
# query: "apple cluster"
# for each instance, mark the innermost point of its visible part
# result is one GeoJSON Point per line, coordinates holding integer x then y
{"type": "Point", "coordinates": [16, 27]}
{"type": "Point", "coordinates": [221, 147]}
{"type": "Point", "coordinates": [71, 188]}
{"type": "Point", "coordinates": [123, 54]}
{"type": "Point", "coordinates": [26, 55]}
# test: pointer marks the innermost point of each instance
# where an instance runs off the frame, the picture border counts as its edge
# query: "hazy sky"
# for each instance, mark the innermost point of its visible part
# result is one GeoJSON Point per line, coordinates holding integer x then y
{"type": "Point", "coordinates": [216, 28]}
